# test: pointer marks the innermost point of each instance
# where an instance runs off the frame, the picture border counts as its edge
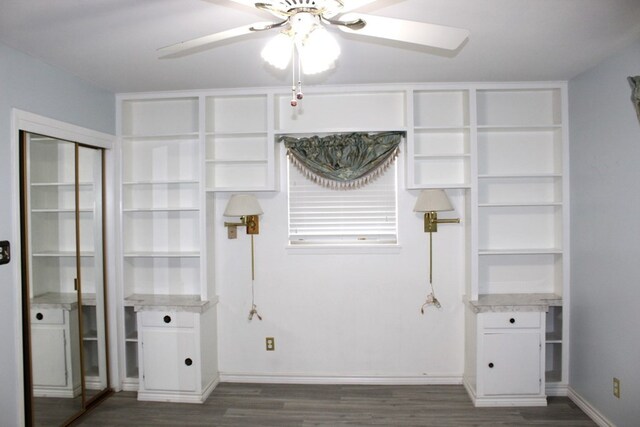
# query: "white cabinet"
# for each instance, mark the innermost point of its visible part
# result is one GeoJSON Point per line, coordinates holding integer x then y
{"type": "Point", "coordinates": [177, 357]}
{"type": "Point", "coordinates": [55, 348]}
{"type": "Point", "coordinates": [507, 359]}
{"type": "Point", "coordinates": [512, 363]}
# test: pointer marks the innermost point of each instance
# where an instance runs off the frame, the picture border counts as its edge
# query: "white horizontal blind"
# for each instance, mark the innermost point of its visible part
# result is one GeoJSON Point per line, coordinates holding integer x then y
{"type": "Point", "coordinates": [320, 215]}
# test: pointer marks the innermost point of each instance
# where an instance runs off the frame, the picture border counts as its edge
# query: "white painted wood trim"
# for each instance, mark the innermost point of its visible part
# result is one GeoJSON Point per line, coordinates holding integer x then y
{"type": "Point", "coordinates": [556, 389]}
{"type": "Point", "coordinates": [502, 401]}
{"type": "Point", "coordinates": [50, 127]}
{"type": "Point", "coordinates": [341, 379]}
{"type": "Point", "coordinates": [179, 397]}
{"type": "Point", "coordinates": [588, 409]}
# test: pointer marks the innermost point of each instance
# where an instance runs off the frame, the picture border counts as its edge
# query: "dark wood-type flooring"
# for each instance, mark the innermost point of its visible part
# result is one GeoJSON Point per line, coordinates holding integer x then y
{"type": "Point", "coordinates": [330, 405]}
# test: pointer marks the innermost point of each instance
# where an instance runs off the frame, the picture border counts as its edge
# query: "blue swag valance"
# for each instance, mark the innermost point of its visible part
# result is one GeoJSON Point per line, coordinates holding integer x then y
{"type": "Point", "coordinates": [343, 161]}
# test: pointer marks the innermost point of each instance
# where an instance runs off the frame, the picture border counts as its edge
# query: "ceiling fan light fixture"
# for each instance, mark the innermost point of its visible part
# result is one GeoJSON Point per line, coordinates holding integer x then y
{"type": "Point", "coordinates": [277, 51]}
{"type": "Point", "coordinates": [318, 52]}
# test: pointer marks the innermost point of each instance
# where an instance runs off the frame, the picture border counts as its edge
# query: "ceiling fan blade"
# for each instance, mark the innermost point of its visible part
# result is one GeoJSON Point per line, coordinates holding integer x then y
{"type": "Point", "coordinates": [184, 48]}
{"type": "Point", "coordinates": [420, 33]}
{"type": "Point", "coordinates": [350, 5]}
{"type": "Point", "coordinates": [248, 3]}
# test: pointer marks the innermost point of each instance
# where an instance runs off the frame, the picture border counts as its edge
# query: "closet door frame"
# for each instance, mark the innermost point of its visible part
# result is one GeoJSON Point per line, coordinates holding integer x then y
{"type": "Point", "coordinates": [33, 123]}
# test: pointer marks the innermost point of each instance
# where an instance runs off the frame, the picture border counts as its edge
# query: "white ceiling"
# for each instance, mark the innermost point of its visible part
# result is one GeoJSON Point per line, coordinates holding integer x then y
{"type": "Point", "coordinates": [112, 43]}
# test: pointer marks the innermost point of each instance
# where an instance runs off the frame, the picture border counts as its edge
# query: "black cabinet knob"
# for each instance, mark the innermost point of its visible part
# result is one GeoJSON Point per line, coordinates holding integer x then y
{"type": "Point", "coordinates": [491, 365]}
{"type": "Point", "coordinates": [167, 319]}
{"type": "Point", "coordinates": [188, 361]}
{"type": "Point", "coordinates": [512, 320]}
{"type": "Point", "coordinates": [39, 316]}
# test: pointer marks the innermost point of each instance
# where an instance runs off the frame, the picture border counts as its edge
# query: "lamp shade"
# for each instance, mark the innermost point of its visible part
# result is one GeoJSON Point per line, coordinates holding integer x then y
{"type": "Point", "coordinates": [432, 201]}
{"type": "Point", "coordinates": [243, 205]}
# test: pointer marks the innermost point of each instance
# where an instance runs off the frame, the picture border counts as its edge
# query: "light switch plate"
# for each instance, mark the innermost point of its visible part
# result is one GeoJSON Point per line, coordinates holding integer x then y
{"type": "Point", "coordinates": [5, 252]}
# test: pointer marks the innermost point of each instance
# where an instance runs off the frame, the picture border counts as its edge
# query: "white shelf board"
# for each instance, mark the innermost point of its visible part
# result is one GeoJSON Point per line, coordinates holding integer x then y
{"type": "Point", "coordinates": [232, 189]}
{"type": "Point", "coordinates": [238, 161]}
{"type": "Point", "coordinates": [441, 156]}
{"type": "Point", "coordinates": [163, 209]}
{"type": "Point", "coordinates": [166, 137]}
{"type": "Point", "coordinates": [449, 185]}
{"type": "Point", "coordinates": [61, 184]}
{"type": "Point", "coordinates": [441, 128]}
{"type": "Point", "coordinates": [238, 134]}
{"type": "Point", "coordinates": [61, 254]}
{"type": "Point", "coordinates": [518, 128]}
{"type": "Point", "coordinates": [162, 182]}
{"type": "Point", "coordinates": [54, 210]}
{"type": "Point", "coordinates": [190, 254]}
{"type": "Point", "coordinates": [532, 251]}
{"type": "Point", "coordinates": [329, 131]}
{"type": "Point", "coordinates": [519, 176]}
{"type": "Point", "coordinates": [509, 205]}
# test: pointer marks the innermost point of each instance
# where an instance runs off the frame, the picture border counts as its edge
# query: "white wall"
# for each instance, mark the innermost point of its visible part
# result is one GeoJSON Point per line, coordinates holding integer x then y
{"type": "Point", "coordinates": [341, 315]}
{"type": "Point", "coordinates": [30, 85]}
{"type": "Point", "coordinates": [605, 237]}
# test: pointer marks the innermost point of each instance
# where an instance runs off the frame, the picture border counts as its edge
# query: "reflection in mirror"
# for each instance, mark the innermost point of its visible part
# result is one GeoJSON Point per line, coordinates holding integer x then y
{"type": "Point", "coordinates": [92, 272]}
{"type": "Point", "coordinates": [65, 322]}
{"type": "Point", "coordinates": [54, 324]}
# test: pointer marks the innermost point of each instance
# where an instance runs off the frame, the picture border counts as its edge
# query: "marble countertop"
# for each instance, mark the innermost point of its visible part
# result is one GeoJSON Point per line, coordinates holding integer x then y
{"type": "Point", "coordinates": [152, 302]}
{"type": "Point", "coordinates": [514, 302]}
{"type": "Point", "coordinates": [65, 301]}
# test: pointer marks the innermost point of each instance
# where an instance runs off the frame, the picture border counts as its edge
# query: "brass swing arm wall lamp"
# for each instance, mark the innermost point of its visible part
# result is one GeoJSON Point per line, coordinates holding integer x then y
{"type": "Point", "coordinates": [247, 208]}
{"type": "Point", "coordinates": [252, 222]}
{"type": "Point", "coordinates": [431, 202]}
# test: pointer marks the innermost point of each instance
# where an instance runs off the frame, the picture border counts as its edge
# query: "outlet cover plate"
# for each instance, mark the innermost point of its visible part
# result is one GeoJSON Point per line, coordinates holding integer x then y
{"type": "Point", "coordinates": [5, 252]}
{"type": "Point", "coordinates": [271, 343]}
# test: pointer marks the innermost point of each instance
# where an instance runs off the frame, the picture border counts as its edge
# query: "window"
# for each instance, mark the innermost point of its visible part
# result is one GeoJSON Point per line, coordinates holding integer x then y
{"type": "Point", "coordinates": [323, 216]}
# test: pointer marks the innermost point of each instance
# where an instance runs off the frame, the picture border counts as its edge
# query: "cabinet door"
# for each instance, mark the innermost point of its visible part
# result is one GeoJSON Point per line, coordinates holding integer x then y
{"type": "Point", "coordinates": [511, 363]}
{"type": "Point", "coordinates": [169, 359]}
{"type": "Point", "coordinates": [50, 362]}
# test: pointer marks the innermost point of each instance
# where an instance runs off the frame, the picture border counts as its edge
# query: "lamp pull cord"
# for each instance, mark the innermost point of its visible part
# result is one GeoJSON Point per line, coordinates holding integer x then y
{"type": "Point", "coordinates": [431, 298]}
{"type": "Point", "coordinates": [254, 309]}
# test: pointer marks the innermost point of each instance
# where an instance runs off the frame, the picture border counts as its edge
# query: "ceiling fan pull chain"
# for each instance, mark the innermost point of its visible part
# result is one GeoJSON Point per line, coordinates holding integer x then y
{"type": "Point", "coordinates": [294, 102]}
{"type": "Point", "coordinates": [299, 95]}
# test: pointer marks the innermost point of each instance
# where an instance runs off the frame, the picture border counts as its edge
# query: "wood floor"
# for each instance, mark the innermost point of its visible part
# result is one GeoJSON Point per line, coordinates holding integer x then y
{"type": "Point", "coordinates": [330, 405]}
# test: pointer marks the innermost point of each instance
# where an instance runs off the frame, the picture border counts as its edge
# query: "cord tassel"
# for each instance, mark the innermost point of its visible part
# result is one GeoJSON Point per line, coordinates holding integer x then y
{"type": "Point", "coordinates": [431, 298]}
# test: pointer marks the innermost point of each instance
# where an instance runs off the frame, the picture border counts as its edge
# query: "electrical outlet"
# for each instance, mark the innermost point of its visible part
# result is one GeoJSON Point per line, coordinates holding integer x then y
{"type": "Point", "coordinates": [616, 387]}
{"type": "Point", "coordinates": [271, 343]}
{"type": "Point", "coordinates": [5, 252]}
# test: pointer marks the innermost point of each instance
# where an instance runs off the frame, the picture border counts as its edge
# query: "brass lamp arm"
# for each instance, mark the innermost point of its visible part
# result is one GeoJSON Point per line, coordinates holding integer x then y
{"type": "Point", "coordinates": [252, 222]}
{"type": "Point", "coordinates": [431, 221]}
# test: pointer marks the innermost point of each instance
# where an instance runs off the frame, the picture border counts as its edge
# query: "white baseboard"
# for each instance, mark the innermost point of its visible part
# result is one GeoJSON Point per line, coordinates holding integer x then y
{"type": "Point", "coordinates": [502, 401]}
{"type": "Point", "coordinates": [592, 412]}
{"type": "Point", "coordinates": [179, 397]}
{"type": "Point", "coordinates": [341, 379]}
{"type": "Point", "coordinates": [556, 389]}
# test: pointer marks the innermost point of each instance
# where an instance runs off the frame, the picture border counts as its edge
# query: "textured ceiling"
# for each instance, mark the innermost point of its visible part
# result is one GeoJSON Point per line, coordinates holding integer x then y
{"type": "Point", "coordinates": [112, 43]}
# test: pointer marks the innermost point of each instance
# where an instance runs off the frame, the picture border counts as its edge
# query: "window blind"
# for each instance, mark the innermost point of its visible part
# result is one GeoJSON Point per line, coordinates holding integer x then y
{"type": "Point", "coordinates": [319, 215]}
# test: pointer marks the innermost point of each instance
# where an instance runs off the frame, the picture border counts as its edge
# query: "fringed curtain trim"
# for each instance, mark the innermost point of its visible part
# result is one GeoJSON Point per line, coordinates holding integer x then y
{"type": "Point", "coordinates": [343, 161]}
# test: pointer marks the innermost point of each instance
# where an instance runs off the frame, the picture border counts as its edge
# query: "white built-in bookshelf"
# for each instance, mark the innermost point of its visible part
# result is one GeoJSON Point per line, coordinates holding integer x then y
{"type": "Point", "coordinates": [503, 145]}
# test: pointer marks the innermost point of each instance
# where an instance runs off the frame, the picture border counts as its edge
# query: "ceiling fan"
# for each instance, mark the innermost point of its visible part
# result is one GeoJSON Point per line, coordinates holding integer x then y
{"type": "Point", "coordinates": [302, 31]}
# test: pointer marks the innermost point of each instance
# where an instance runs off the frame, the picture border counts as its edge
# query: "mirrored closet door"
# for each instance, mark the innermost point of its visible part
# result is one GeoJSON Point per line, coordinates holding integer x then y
{"type": "Point", "coordinates": [65, 333]}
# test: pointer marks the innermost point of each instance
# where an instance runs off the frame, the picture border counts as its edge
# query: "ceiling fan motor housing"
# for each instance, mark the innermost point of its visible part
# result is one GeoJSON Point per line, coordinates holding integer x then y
{"type": "Point", "coordinates": [326, 8]}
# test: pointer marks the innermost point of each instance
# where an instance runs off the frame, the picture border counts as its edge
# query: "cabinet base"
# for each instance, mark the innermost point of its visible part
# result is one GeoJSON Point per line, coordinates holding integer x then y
{"type": "Point", "coordinates": [504, 400]}
{"type": "Point", "coordinates": [177, 396]}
